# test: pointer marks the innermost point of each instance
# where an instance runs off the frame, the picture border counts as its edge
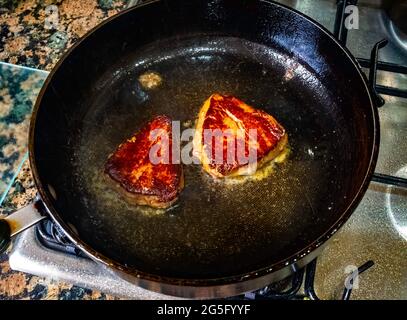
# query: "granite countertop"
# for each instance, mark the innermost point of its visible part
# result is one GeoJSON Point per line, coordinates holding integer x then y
{"type": "Point", "coordinates": [35, 33]}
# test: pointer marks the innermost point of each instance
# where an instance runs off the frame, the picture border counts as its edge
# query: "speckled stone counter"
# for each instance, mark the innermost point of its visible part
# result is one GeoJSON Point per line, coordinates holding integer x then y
{"type": "Point", "coordinates": [35, 33]}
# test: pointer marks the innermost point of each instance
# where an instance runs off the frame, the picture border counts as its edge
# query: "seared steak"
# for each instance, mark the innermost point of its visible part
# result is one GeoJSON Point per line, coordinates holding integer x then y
{"type": "Point", "coordinates": [140, 180]}
{"type": "Point", "coordinates": [229, 113]}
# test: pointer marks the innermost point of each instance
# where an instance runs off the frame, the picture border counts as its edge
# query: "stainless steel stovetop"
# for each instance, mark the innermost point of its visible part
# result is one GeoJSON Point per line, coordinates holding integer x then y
{"type": "Point", "coordinates": [376, 231]}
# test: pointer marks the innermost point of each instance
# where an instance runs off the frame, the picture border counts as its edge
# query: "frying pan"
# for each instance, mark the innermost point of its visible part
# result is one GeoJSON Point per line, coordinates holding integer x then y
{"type": "Point", "coordinates": [220, 239]}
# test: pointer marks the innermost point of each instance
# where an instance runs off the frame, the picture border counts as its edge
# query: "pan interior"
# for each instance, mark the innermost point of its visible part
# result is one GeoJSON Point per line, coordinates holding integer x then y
{"type": "Point", "coordinates": [216, 229]}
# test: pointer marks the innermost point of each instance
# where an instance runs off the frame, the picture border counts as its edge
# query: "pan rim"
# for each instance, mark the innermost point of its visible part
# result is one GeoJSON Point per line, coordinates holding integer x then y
{"type": "Point", "coordinates": [206, 282]}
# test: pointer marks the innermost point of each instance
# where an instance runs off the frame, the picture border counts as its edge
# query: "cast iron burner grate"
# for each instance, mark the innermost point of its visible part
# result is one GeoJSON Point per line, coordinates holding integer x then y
{"type": "Point", "coordinates": [290, 288]}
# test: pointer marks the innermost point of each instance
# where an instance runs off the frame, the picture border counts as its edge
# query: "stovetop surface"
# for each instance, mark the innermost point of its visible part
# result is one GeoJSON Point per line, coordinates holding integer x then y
{"type": "Point", "coordinates": [376, 231]}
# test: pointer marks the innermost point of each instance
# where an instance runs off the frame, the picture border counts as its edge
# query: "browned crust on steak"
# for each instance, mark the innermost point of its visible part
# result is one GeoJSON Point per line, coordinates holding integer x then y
{"type": "Point", "coordinates": [275, 138]}
{"type": "Point", "coordinates": [143, 199]}
{"type": "Point", "coordinates": [140, 180]}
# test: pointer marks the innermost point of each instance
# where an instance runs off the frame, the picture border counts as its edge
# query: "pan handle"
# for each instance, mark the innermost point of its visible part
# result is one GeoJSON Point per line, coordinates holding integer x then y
{"type": "Point", "coordinates": [19, 221]}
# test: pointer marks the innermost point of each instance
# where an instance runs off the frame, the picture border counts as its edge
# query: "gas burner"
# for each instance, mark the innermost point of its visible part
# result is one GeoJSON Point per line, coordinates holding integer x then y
{"type": "Point", "coordinates": [52, 237]}
{"type": "Point", "coordinates": [396, 11]}
{"type": "Point", "coordinates": [397, 205]}
{"type": "Point", "coordinates": [398, 35]}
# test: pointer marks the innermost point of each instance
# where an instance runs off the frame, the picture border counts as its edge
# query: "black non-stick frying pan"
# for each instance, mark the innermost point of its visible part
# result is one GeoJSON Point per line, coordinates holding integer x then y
{"type": "Point", "coordinates": [220, 239]}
